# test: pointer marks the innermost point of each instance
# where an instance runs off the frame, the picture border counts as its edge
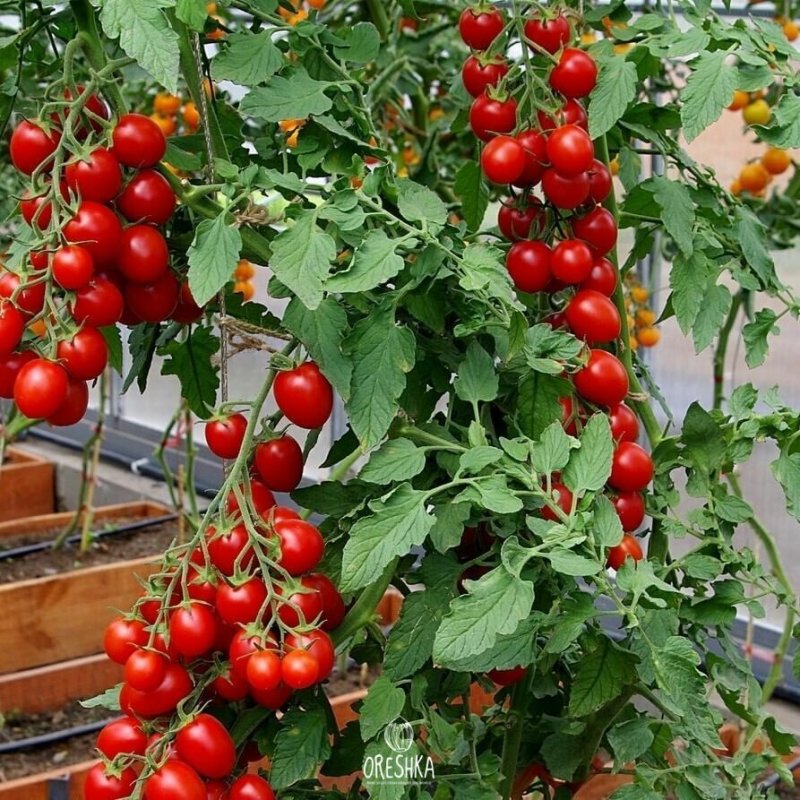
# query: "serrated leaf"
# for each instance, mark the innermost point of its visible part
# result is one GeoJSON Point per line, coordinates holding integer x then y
{"type": "Point", "coordinates": [484, 268]}
{"type": "Point", "coordinates": [449, 526]}
{"type": "Point", "coordinates": [301, 744]}
{"type": "Point", "coordinates": [477, 380]}
{"type": "Point", "coordinates": [395, 526]}
{"type": "Point", "coordinates": [493, 494]}
{"type": "Point", "coordinates": [362, 43]}
{"type": "Point", "coordinates": [688, 279]}
{"type": "Point", "coordinates": [546, 349]}
{"type": "Point", "coordinates": [247, 59]}
{"type": "Point", "coordinates": [606, 523]}
{"type": "Point", "coordinates": [570, 619]}
{"type": "Point", "coordinates": [600, 677]}
{"type": "Point", "coordinates": [142, 347]}
{"type": "Point", "coordinates": [756, 336]}
{"type": "Point", "coordinates": [752, 236]}
{"type": "Point", "coordinates": [294, 96]}
{"type": "Point", "coordinates": [565, 562]}
{"type": "Point", "coordinates": [395, 460]}
{"type": "Point", "coordinates": [213, 256]}
{"type": "Point", "coordinates": [382, 705]}
{"type": "Point", "coordinates": [615, 90]}
{"type": "Point", "coordinates": [784, 128]}
{"type": "Point", "coordinates": [703, 439]}
{"type": "Point", "coordinates": [590, 465]}
{"type": "Point", "coordinates": [471, 190]}
{"type": "Point", "coordinates": [516, 649]}
{"type": "Point", "coordinates": [374, 263]}
{"type": "Point", "coordinates": [551, 452]}
{"type": "Point", "coordinates": [478, 458]}
{"type": "Point", "coordinates": [786, 470]}
{"type": "Point", "coordinates": [114, 341]}
{"type": "Point", "coordinates": [677, 211]}
{"type": "Point", "coordinates": [108, 699]}
{"type": "Point", "coordinates": [189, 361]}
{"type": "Point", "coordinates": [708, 91]}
{"type": "Point", "coordinates": [716, 305]}
{"type": "Point", "coordinates": [418, 203]}
{"type": "Point", "coordinates": [192, 12]}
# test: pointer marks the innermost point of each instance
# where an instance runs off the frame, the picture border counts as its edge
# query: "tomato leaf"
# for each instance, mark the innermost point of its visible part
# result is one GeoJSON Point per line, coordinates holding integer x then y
{"type": "Point", "coordinates": [213, 256]}
{"type": "Point", "coordinates": [295, 96]}
{"type": "Point", "coordinates": [551, 452]}
{"type": "Point", "coordinates": [716, 305]}
{"type": "Point", "coordinates": [756, 336]}
{"type": "Point", "coordinates": [395, 460]}
{"type": "Point", "coordinates": [590, 465]}
{"type": "Point", "coordinates": [471, 189]}
{"type": "Point", "coordinates": [677, 211]}
{"type": "Point", "coordinates": [601, 675]}
{"type": "Point", "coordinates": [189, 361]}
{"type": "Point", "coordinates": [546, 349]}
{"type": "Point", "coordinates": [477, 380]}
{"type": "Point", "coordinates": [192, 12]}
{"type": "Point", "coordinates": [449, 528]}
{"type": "Point", "coordinates": [786, 470]}
{"type": "Point", "coordinates": [484, 268]}
{"type": "Point", "coordinates": [114, 341]}
{"type": "Point", "coordinates": [752, 236]}
{"type": "Point", "coordinates": [248, 59]}
{"type": "Point", "coordinates": [515, 649]}
{"type": "Point", "coordinates": [417, 203]}
{"type": "Point", "coordinates": [688, 279]}
{"type": "Point", "coordinates": [382, 705]}
{"type": "Point", "coordinates": [615, 90]}
{"type": "Point", "coordinates": [142, 347]}
{"type": "Point", "coordinates": [300, 746]}
{"type": "Point", "coordinates": [606, 523]}
{"type": "Point", "coordinates": [629, 740]}
{"type": "Point", "coordinates": [709, 90]}
{"type": "Point", "coordinates": [363, 43]}
{"type": "Point", "coordinates": [375, 262]}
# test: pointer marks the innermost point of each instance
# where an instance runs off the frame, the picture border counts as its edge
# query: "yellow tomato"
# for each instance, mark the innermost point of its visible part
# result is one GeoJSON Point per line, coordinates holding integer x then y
{"type": "Point", "coordinates": [293, 139]}
{"type": "Point", "coordinates": [244, 270]}
{"type": "Point", "coordinates": [757, 113]}
{"type": "Point", "coordinates": [211, 8]}
{"type": "Point", "coordinates": [735, 188]}
{"type": "Point", "coordinates": [645, 317]}
{"type": "Point", "coordinates": [740, 100]}
{"type": "Point", "coordinates": [191, 116]}
{"type": "Point", "coordinates": [634, 344]}
{"type": "Point", "coordinates": [167, 124]}
{"type": "Point", "coordinates": [640, 294]}
{"type": "Point", "coordinates": [245, 289]}
{"type": "Point", "coordinates": [648, 337]}
{"type": "Point", "coordinates": [776, 161]}
{"type": "Point", "coordinates": [290, 125]}
{"type": "Point", "coordinates": [166, 104]}
{"type": "Point", "coordinates": [300, 16]}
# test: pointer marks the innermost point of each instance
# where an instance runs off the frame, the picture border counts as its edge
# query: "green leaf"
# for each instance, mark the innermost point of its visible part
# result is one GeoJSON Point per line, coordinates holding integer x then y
{"type": "Point", "coordinates": [716, 305]}
{"type": "Point", "coordinates": [703, 440]}
{"type": "Point", "coordinates": [615, 90]}
{"type": "Point", "coordinates": [213, 256]}
{"type": "Point", "coordinates": [606, 523]}
{"type": "Point", "coordinates": [570, 620]}
{"type": "Point", "coordinates": [477, 380]}
{"type": "Point", "coordinates": [145, 35]}
{"type": "Point", "coordinates": [677, 211]}
{"type": "Point", "coordinates": [396, 524]}
{"type": "Point", "coordinates": [493, 494]}
{"type": "Point", "coordinates": [709, 90]}
{"type": "Point", "coordinates": [108, 699]}
{"type": "Point", "coordinates": [633, 792]}
{"type": "Point", "coordinates": [395, 460]}
{"type": "Point", "coordinates": [484, 268]}
{"type": "Point", "coordinates": [301, 744]}
{"type": "Point", "coordinates": [301, 259]}
{"type": "Point", "coordinates": [546, 349]}
{"type": "Point", "coordinates": [630, 740]}
{"type": "Point", "coordinates": [675, 665]}
{"type": "Point", "coordinates": [565, 562]}
{"type": "Point", "coordinates": [114, 341]}
{"type": "Point", "coordinates": [590, 465]}
{"type": "Point", "coordinates": [786, 470]}
{"type": "Point", "coordinates": [417, 203]}
{"type": "Point", "coordinates": [752, 236]}
{"type": "Point", "coordinates": [471, 190]}
{"type": "Point", "coordinates": [375, 262]}
{"type": "Point", "coordinates": [756, 336]}
{"type": "Point", "coordinates": [247, 59]}
{"type": "Point", "coordinates": [382, 353]}
{"type": "Point", "coordinates": [189, 361]}
{"type": "Point", "coordinates": [382, 705]}
{"type": "Point", "coordinates": [478, 458]}
{"type": "Point", "coordinates": [193, 13]}
{"type": "Point", "coordinates": [142, 347]}
{"type": "Point", "coordinates": [688, 279]}
{"type": "Point", "coordinates": [363, 43]}
{"type": "Point", "coordinates": [600, 677]}
{"type": "Point", "coordinates": [494, 605]}
{"type": "Point", "coordinates": [449, 526]}
{"type": "Point", "coordinates": [516, 649]}
{"type": "Point", "coordinates": [538, 403]}
{"type": "Point", "coordinates": [295, 96]}
{"type": "Point", "coordinates": [784, 128]}
{"type": "Point", "coordinates": [551, 453]}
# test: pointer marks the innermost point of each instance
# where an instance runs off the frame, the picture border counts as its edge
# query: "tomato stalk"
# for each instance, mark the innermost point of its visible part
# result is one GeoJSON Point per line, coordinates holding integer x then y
{"type": "Point", "coordinates": [721, 350]}
{"type": "Point", "coordinates": [377, 10]}
{"type": "Point", "coordinates": [512, 739]}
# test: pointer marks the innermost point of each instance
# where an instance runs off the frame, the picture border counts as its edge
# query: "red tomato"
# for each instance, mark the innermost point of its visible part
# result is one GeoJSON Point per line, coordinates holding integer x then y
{"type": "Point", "coordinates": [224, 436]}
{"type": "Point", "coordinates": [225, 547]}
{"type": "Point", "coordinates": [98, 304]}
{"type": "Point", "coordinates": [598, 228]}
{"type": "Point", "coordinates": [563, 499]}
{"type": "Point", "coordinates": [593, 317]}
{"type": "Point", "coordinates": [73, 267]}
{"type": "Point", "coordinates": [216, 790]}
{"type": "Point", "coordinates": [630, 509]}
{"type": "Point", "coordinates": [192, 630]}
{"type": "Point", "coordinates": [571, 113]}
{"type": "Point", "coordinates": [148, 705]}
{"type": "Point", "coordinates": [96, 177]}
{"type": "Point", "coordinates": [245, 643]}
{"type": "Point", "coordinates": [319, 644]}
{"type": "Point", "coordinates": [302, 546]}
{"type": "Point", "coordinates": [143, 254]}
{"type": "Point", "coordinates": [564, 192]}
{"type": "Point", "coordinates": [99, 785]}
{"type": "Point", "coordinates": [503, 160]}
{"type": "Point", "coordinates": [145, 670]}
{"type": "Point", "coordinates": [29, 298]}
{"type": "Point", "coordinates": [535, 146]}
{"type": "Point", "coordinates": [122, 637]}
{"type": "Point", "coordinates": [572, 261]}
{"type": "Point", "coordinates": [299, 669]}
{"type": "Point", "coordinates": [230, 686]}
{"type": "Point", "coordinates": [32, 148]}
{"type": "Point", "coordinates": [628, 548]}
{"type": "Point", "coordinates": [201, 584]}
{"type": "Point", "coordinates": [529, 265]}
{"type": "Point", "coordinates": [205, 744]}
{"type": "Point", "coordinates": [631, 469]}
{"type": "Point", "coordinates": [153, 302]}
{"type": "Point", "coordinates": [570, 413]}
{"type": "Point", "coordinates": [148, 198]}
{"type": "Point", "coordinates": [85, 355]}
{"type": "Point", "coordinates": [10, 366]}
{"type": "Point", "coordinates": [73, 409]}
{"type": "Point", "coordinates": [570, 150]}
{"type": "Point", "coordinates": [242, 603]}
{"type": "Point", "coordinates": [138, 141]}
{"type": "Point", "coordinates": [261, 499]}
{"type": "Point", "coordinates": [600, 181]}
{"type": "Point", "coordinates": [12, 326]}
{"type": "Point", "coordinates": [479, 73]}
{"type": "Point", "coordinates": [41, 388]}
{"type": "Point", "coordinates": [122, 736]}
{"type": "Point", "coordinates": [488, 116]}
{"type": "Point", "coordinates": [624, 423]}
{"type": "Point", "coordinates": [602, 380]}
{"type": "Point", "coordinates": [39, 259]}
{"type": "Point", "coordinates": [279, 463]}
{"type": "Point", "coordinates": [29, 208]}
{"type": "Point", "coordinates": [98, 229]}
{"type": "Point", "coordinates": [479, 28]}
{"type": "Point", "coordinates": [602, 278]}
{"type": "Point", "coordinates": [507, 677]}
{"type": "Point", "coordinates": [575, 75]}
{"type": "Point", "coordinates": [174, 780]}
{"type": "Point", "coordinates": [333, 607]}
{"type": "Point", "coordinates": [549, 34]}
{"type": "Point", "coordinates": [301, 607]}
{"type": "Point", "coordinates": [264, 670]}
{"type": "Point", "coordinates": [187, 311]}
{"type": "Point", "coordinates": [273, 699]}
{"type": "Point", "coordinates": [304, 395]}
{"type": "Point", "coordinates": [518, 223]}
{"type": "Point", "coordinates": [250, 787]}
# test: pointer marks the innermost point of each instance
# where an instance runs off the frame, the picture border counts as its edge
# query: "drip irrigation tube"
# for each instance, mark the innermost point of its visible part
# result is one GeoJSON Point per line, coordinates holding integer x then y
{"type": "Point", "coordinates": [53, 737]}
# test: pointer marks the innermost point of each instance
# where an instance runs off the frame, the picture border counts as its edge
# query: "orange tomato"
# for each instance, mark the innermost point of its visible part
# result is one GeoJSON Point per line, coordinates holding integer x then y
{"type": "Point", "coordinates": [645, 317]}
{"type": "Point", "coordinates": [191, 116]}
{"type": "Point", "coordinates": [293, 139]}
{"type": "Point", "coordinates": [735, 187]}
{"type": "Point", "coordinates": [291, 125]}
{"type": "Point", "coordinates": [633, 342]}
{"type": "Point", "coordinates": [219, 32]}
{"type": "Point", "coordinates": [639, 294]}
{"type": "Point", "coordinates": [167, 124]}
{"type": "Point", "coordinates": [790, 30]}
{"type": "Point", "coordinates": [776, 161]}
{"type": "Point", "coordinates": [753, 177]}
{"type": "Point", "coordinates": [297, 18]}
{"type": "Point", "coordinates": [38, 328]}
{"type": "Point", "coordinates": [740, 100]}
{"type": "Point", "coordinates": [245, 289]}
{"type": "Point", "coordinates": [166, 104]}
{"type": "Point", "coordinates": [317, 5]}
{"type": "Point", "coordinates": [244, 270]}
{"type": "Point", "coordinates": [211, 9]}
{"type": "Point", "coordinates": [757, 113]}
{"type": "Point", "coordinates": [648, 337]}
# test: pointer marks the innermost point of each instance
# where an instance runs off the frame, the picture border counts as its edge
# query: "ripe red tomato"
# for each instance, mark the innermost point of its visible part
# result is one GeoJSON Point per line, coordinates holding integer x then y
{"type": "Point", "coordinates": [41, 388]}
{"type": "Point", "coordinates": [29, 208]}
{"type": "Point", "coordinates": [224, 436]}
{"type": "Point", "coordinates": [593, 317]}
{"type": "Point", "coordinates": [122, 637]}
{"type": "Point", "coordinates": [570, 414]}
{"type": "Point", "coordinates": [630, 509]}
{"type": "Point", "coordinates": [12, 326]}
{"type": "Point", "coordinates": [231, 685]}
{"type": "Point", "coordinates": [99, 785]}
{"type": "Point", "coordinates": [302, 546]}
{"type": "Point", "coordinates": [261, 499]}
{"type": "Point", "coordinates": [205, 744]}
{"type": "Point", "coordinates": [216, 790]}
{"type": "Point", "coordinates": [489, 117]}
{"type": "Point", "coordinates": [572, 261]}
{"type": "Point", "coordinates": [575, 75]}
{"type": "Point", "coordinates": [507, 677]}
{"type": "Point", "coordinates": [480, 28]}
{"type": "Point", "coordinates": [32, 148]}
{"type": "Point", "coordinates": [264, 670]}
{"type": "Point", "coordinates": [549, 34]}
{"type": "Point", "coordinates": [564, 192]}
{"type": "Point", "coordinates": [73, 409]}
{"type": "Point", "coordinates": [529, 265]}
{"type": "Point", "coordinates": [245, 643]}
{"type": "Point", "coordinates": [148, 198]}
{"type": "Point", "coordinates": [225, 546]}
{"type": "Point", "coordinates": [535, 146]}
{"type": "Point", "coordinates": [73, 267]}
{"type": "Point", "coordinates": [138, 141]}
{"type": "Point", "coordinates": [172, 780]}
{"type": "Point", "coordinates": [30, 297]}
{"type": "Point", "coordinates": [628, 547]}
{"type": "Point", "coordinates": [153, 302]}
{"type": "Point", "coordinates": [503, 160]}
{"type": "Point", "coordinates": [301, 607]}
{"type": "Point", "coordinates": [571, 113]}
{"type": "Point", "coordinates": [242, 603]}
{"type": "Point", "coordinates": [10, 366]}
{"type": "Point", "coordinates": [85, 355]}
{"type": "Point", "coordinates": [274, 699]}
{"type": "Point", "coordinates": [143, 254]}
{"type": "Point", "coordinates": [333, 607]}
{"type": "Point", "coordinates": [187, 311]}
{"type": "Point", "coordinates": [631, 469]}
{"type": "Point", "coordinates": [98, 229]}
{"type": "Point", "coordinates": [96, 177]}
{"type": "Point", "coordinates": [570, 150]}
{"type": "Point", "coordinates": [164, 700]}
{"type": "Point", "coordinates": [600, 181]}
{"type": "Point", "coordinates": [250, 787]}
{"type": "Point", "coordinates": [279, 463]}
{"type": "Point", "coordinates": [598, 228]}
{"type": "Point", "coordinates": [319, 644]}
{"type": "Point", "coordinates": [602, 278]}
{"type": "Point", "coordinates": [304, 395]}
{"type": "Point", "coordinates": [479, 73]}
{"type": "Point", "coordinates": [602, 380]}
{"type": "Point", "coordinates": [98, 304]}
{"type": "Point", "coordinates": [299, 669]}
{"type": "Point", "coordinates": [192, 630]}
{"type": "Point", "coordinates": [145, 670]}
{"type": "Point", "coordinates": [39, 259]}
{"type": "Point", "coordinates": [563, 499]}
{"type": "Point", "coordinates": [518, 223]}
{"type": "Point", "coordinates": [122, 736]}
{"type": "Point", "coordinates": [624, 424]}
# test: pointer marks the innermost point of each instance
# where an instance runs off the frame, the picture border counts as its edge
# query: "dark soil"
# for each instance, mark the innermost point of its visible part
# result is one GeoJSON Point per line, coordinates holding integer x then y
{"type": "Point", "coordinates": [787, 792]}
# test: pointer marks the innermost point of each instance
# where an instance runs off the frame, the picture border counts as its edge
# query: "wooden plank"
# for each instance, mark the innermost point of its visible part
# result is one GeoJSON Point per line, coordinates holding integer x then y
{"type": "Point", "coordinates": [27, 486]}
{"type": "Point", "coordinates": [63, 617]}
{"type": "Point", "coordinates": [35, 787]}
{"type": "Point", "coordinates": [32, 691]}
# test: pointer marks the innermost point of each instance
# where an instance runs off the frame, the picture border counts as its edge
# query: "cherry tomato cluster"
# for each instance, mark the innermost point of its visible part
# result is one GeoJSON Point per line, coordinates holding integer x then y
{"type": "Point", "coordinates": [169, 110]}
{"type": "Point", "coordinates": [641, 317]}
{"type": "Point", "coordinates": [243, 275]}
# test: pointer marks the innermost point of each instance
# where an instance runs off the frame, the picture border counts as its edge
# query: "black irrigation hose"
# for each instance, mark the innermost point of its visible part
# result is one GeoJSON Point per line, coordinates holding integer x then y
{"type": "Point", "coordinates": [53, 737]}
{"type": "Point", "coordinates": [775, 779]}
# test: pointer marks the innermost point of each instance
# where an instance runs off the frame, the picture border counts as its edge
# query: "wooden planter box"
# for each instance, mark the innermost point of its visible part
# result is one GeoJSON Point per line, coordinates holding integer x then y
{"type": "Point", "coordinates": [27, 485]}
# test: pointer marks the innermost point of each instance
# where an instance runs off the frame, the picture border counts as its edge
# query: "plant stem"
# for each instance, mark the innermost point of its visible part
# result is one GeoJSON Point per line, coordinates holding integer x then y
{"type": "Point", "coordinates": [363, 610]}
{"type": "Point", "coordinates": [721, 350]}
{"type": "Point", "coordinates": [377, 10]}
{"type": "Point", "coordinates": [512, 740]}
